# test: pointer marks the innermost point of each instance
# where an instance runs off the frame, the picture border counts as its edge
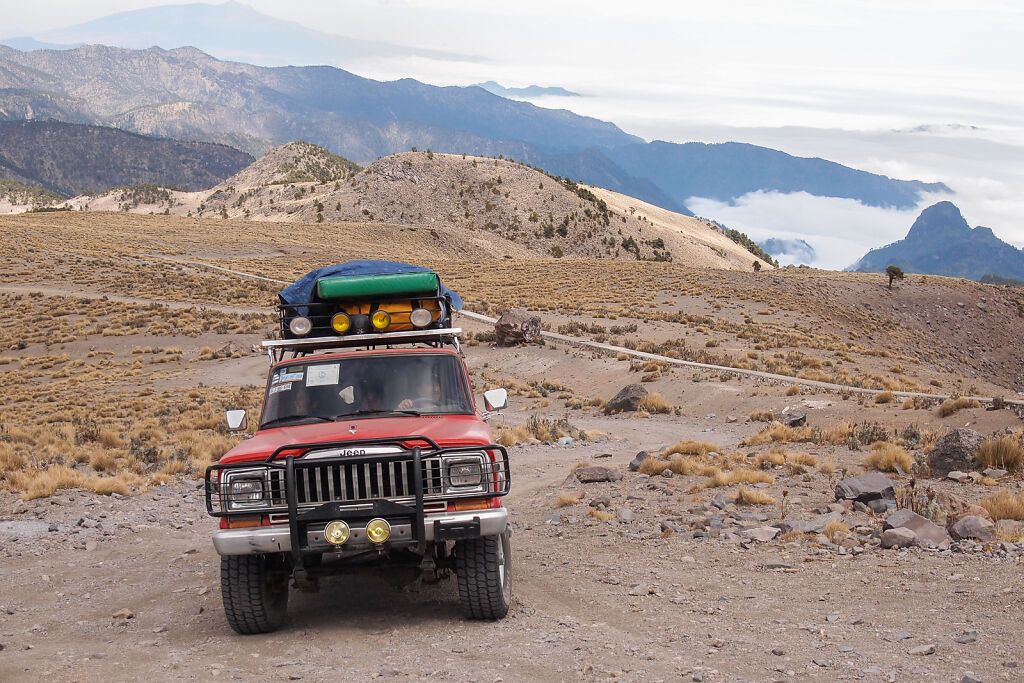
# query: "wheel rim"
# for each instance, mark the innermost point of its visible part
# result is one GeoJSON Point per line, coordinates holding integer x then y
{"type": "Point", "coordinates": [503, 566]}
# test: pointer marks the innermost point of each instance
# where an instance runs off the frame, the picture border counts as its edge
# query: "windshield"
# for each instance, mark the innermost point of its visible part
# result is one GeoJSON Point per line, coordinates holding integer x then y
{"type": "Point", "coordinates": [424, 383]}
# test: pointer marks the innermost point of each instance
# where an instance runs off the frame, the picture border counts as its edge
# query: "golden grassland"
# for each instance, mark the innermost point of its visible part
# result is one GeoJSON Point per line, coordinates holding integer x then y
{"type": "Point", "coordinates": [785, 322]}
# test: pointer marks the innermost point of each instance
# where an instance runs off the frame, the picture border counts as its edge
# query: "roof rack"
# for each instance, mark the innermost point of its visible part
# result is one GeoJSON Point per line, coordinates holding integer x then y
{"type": "Point", "coordinates": [276, 348]}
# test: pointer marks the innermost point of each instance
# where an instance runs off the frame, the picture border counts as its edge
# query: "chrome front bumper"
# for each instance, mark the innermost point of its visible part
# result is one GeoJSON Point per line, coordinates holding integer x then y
{"type": "Point", "coordinates": [277, 539]}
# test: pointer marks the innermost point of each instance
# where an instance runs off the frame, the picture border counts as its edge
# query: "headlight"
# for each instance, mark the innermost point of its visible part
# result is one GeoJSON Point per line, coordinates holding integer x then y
{"type": "Point", "coordinates": [300, 326]}
{"type": "Point", "coordinates": [420, 318]}
{"type": "Point", "coordinates": [464, 473]}
{"type": "Point", "coordinates": [245, 489]}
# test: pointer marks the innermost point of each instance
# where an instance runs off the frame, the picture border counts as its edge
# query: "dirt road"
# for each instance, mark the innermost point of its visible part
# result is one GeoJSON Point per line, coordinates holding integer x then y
{"type": "Point", "coordinates": [593, 600]}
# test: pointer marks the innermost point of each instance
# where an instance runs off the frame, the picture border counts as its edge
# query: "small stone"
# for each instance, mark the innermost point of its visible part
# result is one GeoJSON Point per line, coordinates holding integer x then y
{"type": "Point", "coordinates": [832, 618]}
{"type": "Point", "coordinates": [625, 515]}
{"type": "Point", "coordinates": [640, 589]}
{"type": "Point", "coordinates": [761, 534]}
{"type": "Point", "coordinates": [928, 649]}
{"type": "Point", "coordinates": [898, 538]}
{"type": "Point", "coordinates": [123, 614]}
{"type": "Point", "coordinates": [160, 629]}
{"type": "Point", "coordinates": [969, 677]}
{"type": "Point", "coordinates": [967, 637]}
{"type": "Point", "coordinates": [778, 651]}
{"type": "Point", "coordinates": [638, 460]}
{"type": "Point", "coordinates": [958, 476]}
{"type": "Point", "coordinates": [597, 473]}
{"type": "Point", "coordinates": [667, 473]}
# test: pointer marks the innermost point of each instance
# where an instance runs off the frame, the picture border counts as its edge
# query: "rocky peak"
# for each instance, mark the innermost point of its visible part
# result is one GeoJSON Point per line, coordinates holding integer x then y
{"type": "Point", "coordinates": [939, 221]}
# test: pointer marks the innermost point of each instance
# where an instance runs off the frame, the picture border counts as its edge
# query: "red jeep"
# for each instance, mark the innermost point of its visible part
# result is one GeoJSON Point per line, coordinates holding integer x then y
{"type": "Point", "coordinates": [365, 457]}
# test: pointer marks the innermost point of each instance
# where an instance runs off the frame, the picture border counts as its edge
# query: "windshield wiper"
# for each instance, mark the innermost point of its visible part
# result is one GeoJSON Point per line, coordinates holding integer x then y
{"type": "Point", "coordinates": [364, 413]}
{"type": "Point", "coordinates": [289, 418]}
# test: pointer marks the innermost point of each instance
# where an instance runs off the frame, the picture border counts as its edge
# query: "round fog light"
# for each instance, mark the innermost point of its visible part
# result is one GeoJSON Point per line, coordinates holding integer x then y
{"type": "Point", "coordinates": [341, 323]}
{"type": "Point", "coordinates": [380, 319]}
{"type": "Point", "coordinates": [336, 532]}
{"type": "Point", "coordinates": [420, 317]}
{"type": "Point", "coordinates": [300, 326]}
{"type": "Point", "coordinates": [378, 530]}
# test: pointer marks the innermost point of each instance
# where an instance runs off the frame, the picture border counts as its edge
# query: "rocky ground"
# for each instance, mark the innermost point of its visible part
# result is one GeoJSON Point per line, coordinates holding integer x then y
{"type": "Point", "coordinates": [104, 587]}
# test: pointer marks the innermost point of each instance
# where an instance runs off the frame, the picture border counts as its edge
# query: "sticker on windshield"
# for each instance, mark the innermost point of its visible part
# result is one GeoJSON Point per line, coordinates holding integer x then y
{"type": "Point", "coordinates": [323, 374]}
{"type": "Point", "coordinates": [281, 377]}
{"type": "Point", "coordinates": [279, 387]}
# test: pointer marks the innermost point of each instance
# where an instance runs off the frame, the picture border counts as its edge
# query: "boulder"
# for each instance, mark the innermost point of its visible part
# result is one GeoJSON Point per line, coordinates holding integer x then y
{"type": "Point", "coordinates": [994, 473]}
{"type": "Point", "coordinates": [818, 524]}
{"type": "Point", "coordinates": [870, 486]}
{"type": "Point", "coordinates": [762, 534]}
{"type": "Point", "coordinates": [638, 460]}
{"type": "Point", "coordinates": [954, 507]}
{"type": "Point", "coordinates": [516, 327]}
{"type": "Point", "coordinates": [928, 532]}
{"type": "Point", "coordinates": [627, 400]}
{"type": "Point", "coordinates": [958, 476]}
{"type": "Point", "coordinates": [900, 537]}
{"type": "Point", "coordinates": [794, 419]}
{"type": "Point", "coordinates": [954, 451]}
{"type": "Point", "coordinates": [596, 473]}
{"type": "Point", "coordinates": [973, 526]}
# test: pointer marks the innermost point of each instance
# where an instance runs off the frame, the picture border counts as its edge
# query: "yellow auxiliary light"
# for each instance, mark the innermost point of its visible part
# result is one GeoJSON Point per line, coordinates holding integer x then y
{"type": "Point", "coordinates": [336, 532]}
{"type": "Point", "coordinates": [341, 323]}
{"type": "Point", "coordinates": [380, 319]}
{"type": "Point", "coordinates": [378, 530]}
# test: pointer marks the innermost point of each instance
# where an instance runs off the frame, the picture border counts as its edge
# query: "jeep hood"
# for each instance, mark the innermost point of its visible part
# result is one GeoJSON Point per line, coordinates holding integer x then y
{"type": "Point", "coordinates": [445, 430]}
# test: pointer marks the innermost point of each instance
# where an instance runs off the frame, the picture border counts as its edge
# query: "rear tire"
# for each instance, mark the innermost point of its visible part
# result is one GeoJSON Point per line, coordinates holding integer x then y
{"type": "Point", "coordinates": [481, 566]}
{"type": "Point", "coordinates": [254, 589]}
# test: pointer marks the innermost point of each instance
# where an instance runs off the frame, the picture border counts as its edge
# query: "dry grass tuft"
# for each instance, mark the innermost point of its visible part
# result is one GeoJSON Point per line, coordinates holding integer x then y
{"type": "Point", "coordinates": [565, 498]}
{"type": "Point", "coordinates": [107, 485]}
{"type": "Point", "coordinates": [793, 390]}
{"type": "Point", "coordinates": [1004, 452]}
{"type": "Point", "coordinates": [601, 515]}
{"type": "Point", "coordinates": [44, 483]}
{"type": "Point", "coordinates": [828, 467]}
{"type": "Point", "coordinates": [953, 405]}
{"type": "Point", "coordinates": [762, 416]}
{"type": "Point", "coordinates": [773, 458]}
{"type": "Point", "coordinates": [103, 461]}
{"type": "Point", "coordinates": [802, 458]}
{"type": "Point", "coordinates": [837, 435]}
{"type": "Point", "coordinates": [885, 457]}
{"type": "Point", "coordinates": [654, 403]}
{"type": "Point", "coordinates": [884, 397]}
{"type": "Point", "coordinates": [747, 496]}
{"type": "Point", "coordinates": [779, 433]}
{"type": "Point", "coordinates": [835, 529]}
{"type": "Point", "coordinates": [1005, 505]}
{"type": "Point", "coordinates": [691, 448]}
{"type": "Point", "coordinates": [683, 466]}
{"type": "Point", "coordinates": [738, 476]}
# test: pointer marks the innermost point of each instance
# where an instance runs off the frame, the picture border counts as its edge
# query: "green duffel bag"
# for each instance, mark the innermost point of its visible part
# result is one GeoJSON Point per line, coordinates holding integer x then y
{"type": "Point", "coordinates": [365, 286]}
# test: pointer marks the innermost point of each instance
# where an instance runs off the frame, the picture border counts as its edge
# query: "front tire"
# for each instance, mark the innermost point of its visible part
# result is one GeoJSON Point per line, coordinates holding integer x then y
{"type": "Point", "coordinates": [481, 566]}
{"type": "Point", "coordinates": [254, 589]}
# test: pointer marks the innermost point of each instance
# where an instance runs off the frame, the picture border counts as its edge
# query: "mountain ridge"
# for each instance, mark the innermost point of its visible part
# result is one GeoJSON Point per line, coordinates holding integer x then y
{"type": "Point", "coordinates": [941, 242]}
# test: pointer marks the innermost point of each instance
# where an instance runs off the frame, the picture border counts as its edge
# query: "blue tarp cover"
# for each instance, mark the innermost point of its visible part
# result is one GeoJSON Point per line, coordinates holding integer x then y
{"type": "Point", "coordinates": [301, 291]}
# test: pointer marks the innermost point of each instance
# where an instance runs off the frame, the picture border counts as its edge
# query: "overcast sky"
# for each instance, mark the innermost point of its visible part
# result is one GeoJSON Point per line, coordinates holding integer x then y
{"type": "Point", "coordinates": [931, 90]}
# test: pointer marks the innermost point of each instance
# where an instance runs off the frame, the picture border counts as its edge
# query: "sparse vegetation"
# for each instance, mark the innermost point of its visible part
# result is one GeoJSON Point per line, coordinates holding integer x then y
{"type": "Point", "coordinates": [1004, 452]}
{"type": "Point", "coordinates": [954, 405]}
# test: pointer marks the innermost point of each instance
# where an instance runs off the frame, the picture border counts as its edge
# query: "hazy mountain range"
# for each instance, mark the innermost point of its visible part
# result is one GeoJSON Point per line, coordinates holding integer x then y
{"type": "Point", "coordinates": [74, 159]}
{"type": "Point", "coordinates": [229, 31]}
{"type": "Point", "coordinates": [527, 92]}
{"type": "Point", "coordinates": [941, 242]}
{"type": "Point", "coordinates": [187, 94]}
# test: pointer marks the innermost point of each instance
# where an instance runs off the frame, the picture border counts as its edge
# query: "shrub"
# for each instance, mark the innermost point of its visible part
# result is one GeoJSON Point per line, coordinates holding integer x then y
{"type": "Point", "coordinates": [953, 405]}
{"type": "Point", "coordinates": [884, 397]}
{"type": "Point", "coordinates": [1002, 452]}
{"type": "Point", "coordinates": [779, 433]}
{"type": "Point", "coordinates": [885, 457]}
{"type": "Point", "coordinates": [691, 448]}
{"type": "Point", "coordinates": [1005, 505]}
{"type": "Point", "coordinates": [747, 496]}
{"type": "Point", "coordinates": [654, 403]}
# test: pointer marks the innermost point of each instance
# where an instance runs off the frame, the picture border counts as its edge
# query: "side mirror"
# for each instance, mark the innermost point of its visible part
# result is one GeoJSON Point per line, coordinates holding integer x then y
{"type": "Point", "coordinates": [238, 421]}
{"type": "Point", "coordinates": [496, 399]}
